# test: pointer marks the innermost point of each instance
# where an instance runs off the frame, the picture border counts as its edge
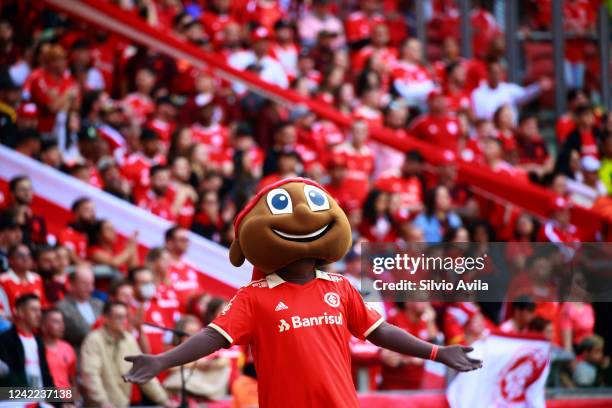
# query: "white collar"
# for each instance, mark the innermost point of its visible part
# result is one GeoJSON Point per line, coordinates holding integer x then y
{"type": "Point", "coordinates": [274, 280]}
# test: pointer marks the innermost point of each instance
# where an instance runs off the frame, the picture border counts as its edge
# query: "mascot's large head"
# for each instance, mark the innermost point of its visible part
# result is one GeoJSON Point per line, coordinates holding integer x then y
{"type": "Point", "coordinates": [290, 220]}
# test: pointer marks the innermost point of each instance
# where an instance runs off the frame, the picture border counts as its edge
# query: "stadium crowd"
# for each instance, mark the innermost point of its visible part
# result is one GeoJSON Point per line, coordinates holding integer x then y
{"type": "Point", "coordinates": [191, 147]}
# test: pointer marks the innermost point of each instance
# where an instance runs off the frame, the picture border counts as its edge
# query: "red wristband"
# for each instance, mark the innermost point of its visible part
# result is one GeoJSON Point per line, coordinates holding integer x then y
{"type": "Point", "coordinates": [434, 353]}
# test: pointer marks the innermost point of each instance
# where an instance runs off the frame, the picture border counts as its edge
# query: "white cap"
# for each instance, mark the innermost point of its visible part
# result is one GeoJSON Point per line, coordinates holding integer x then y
{"type": "Point", "coordinates": [589, 163]}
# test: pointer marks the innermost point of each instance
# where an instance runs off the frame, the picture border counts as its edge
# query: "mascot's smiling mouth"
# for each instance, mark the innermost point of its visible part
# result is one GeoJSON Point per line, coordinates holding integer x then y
{"type": "Point", "coordinates": [312, 236]}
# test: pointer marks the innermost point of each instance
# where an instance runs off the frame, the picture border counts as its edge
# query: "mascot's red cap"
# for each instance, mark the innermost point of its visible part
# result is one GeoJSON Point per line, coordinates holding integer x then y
{"type": "Point", "coordinates": [257, 274]}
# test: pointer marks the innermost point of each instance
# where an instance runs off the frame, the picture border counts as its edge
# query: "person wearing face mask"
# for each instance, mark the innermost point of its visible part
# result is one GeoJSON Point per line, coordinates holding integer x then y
{"type": "Point", "coordinates": [150, 307]}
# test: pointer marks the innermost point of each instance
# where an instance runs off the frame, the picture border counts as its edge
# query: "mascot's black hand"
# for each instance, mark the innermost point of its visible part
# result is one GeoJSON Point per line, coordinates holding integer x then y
{"type": "Point", "coordinates": [145, 367]}
{"type": "Point", "coordinates": [456, 358]}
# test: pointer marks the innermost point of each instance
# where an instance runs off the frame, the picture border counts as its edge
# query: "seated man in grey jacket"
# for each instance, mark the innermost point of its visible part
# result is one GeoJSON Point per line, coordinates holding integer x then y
{"type": "Point", "coordinates": [79, 308]}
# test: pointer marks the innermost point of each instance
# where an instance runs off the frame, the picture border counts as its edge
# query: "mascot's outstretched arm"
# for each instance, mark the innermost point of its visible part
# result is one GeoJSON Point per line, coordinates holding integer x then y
{"type": "Point", "coordinates": [146, 366]}
{"type": "Point", "coordinates": [395, 339]}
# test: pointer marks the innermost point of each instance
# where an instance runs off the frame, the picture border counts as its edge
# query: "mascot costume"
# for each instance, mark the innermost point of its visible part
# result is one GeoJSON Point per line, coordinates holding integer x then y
{"type": "Point", "coordinates": [296, 319]}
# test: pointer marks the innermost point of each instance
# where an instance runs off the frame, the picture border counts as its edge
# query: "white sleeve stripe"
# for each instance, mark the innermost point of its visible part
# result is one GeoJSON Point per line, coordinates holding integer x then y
{"type": "Point", "coordinates": [374, 327]}
{"type": "Point", "coordinates": [222, 332]}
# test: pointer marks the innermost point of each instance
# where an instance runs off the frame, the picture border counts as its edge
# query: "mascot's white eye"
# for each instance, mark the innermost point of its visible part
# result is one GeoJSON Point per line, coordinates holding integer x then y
{"type": "Point", "coordinates": [317, 199]}
{"type": "Point", "coordinates": [279, 201]}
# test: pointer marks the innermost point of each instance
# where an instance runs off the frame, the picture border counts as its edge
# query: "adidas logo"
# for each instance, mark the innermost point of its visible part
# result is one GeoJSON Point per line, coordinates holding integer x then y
{"type": "Point", "coordinates": [280, 306]}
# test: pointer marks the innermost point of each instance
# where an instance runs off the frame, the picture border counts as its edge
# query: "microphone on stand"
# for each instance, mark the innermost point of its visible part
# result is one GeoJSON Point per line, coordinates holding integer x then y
{"type": "Point", "coordinates": [180, 334]}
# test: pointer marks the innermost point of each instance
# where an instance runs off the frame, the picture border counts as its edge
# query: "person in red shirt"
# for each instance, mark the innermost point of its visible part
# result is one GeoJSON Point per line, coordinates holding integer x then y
{"type": "Point", "coordinates": [438, 127]}
{"type": "Point", "coordinates": [139, 104]}
{"type": "Point", "coordinates": [455, 90]}
{"type": "Point", "coordinates": [183, 275]}
{"type": "Point", "coordinates": [158, 260]}
{"type": "Point", "coordinates": [584, 139]}
{"type": "Point", "coordinates": [61, 358]}
{"type": "Point", "coordinates": [379, 45]}
{"type": "Point", "coordinates": [137, 166]}
{"type": "Point", "coordinates": [337, 186]}
{"type": "Point", "coordinates": [566, 124]}
{"type": "Point", "coordinates": [19, 280]}
{"type": "Point", "coordinates": [21, 196]}
{"type": "Point", "coordinates": [208, 131]}
{"type": "Point", "coordinates": [171, 202]}
{"type": "Point", "coordinates": [74, 235]}
{"type": "Point", "coordinates": [296, 310]}
{"type": "Point", "coordinates": [360, 24]}
{"type": "Point", "coordinates": [359, 160]}
{"type": "Point", "coordinates": [410, 79]}
{"type": "Point", "coordinates": [163, 120]}
{"type": "Point", "coordinates": [149, 307]}
{"type": "Point", "coordinates": [52, 88]}
{"type": "Point", "coordinates": [215, 18]}
{"type": "Point", "coordinates": [406, 182]}
{"type": "Point", "coordinates": [264, 13]}
{"type": "Point", "coordinates": [532, 149]}
{"type": "Point", "coordinates": [106, 249]}
{"type": "Point", "coordinates": [402, 372]}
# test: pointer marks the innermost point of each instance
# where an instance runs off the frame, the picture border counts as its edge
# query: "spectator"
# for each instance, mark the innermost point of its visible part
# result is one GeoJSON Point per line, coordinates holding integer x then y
{"type": "Point", "coordinates": [137, 165]}
{"type": "Point", "coordinates": [258, 61]}
{"type": "Point", "coordinates": [377, 222]}
{"type": "Point", "coordinates": [149, 307]}
{"type": "Point", "coordinates": [438, 126]}
{"type": "Point", "coordinates": [605, 171]}
{"type": "Point", "coordinates": [587, 187]}
{"type": "Point", "coordinates": [588, 372]}
{"type": "Point", "coordinates": [522, 309]}
{"type": "Point", "coordinates": [407, 183]}
{"type": "Point", "coordinates": [566, 124]}
{"type": "Point", "coordinates": [79, 308]}
{"type": "Point", "coordinates": [53, 88]}
{"type": "Point", "coordinates": [576, 321]}
{"type": "Point", "coordinates": [401, 372]}
{"type": "Point", "coordinates": [438, 215]}
{"type": "Point", "coordinates": [584, 140]}
{"type": "Point", "coordinates": [22, 350]}
{"type": "Point", "coordinates": [361, 23]}
{"type": "Point", "coordinates": [159, 199]}
{"type": "Point", "coordinates": [411, 80]}
{"type": "Point", "coordinates": [10, 235]}
{"type": "Point", "coordinates": [19, 280]}
{"type": "Point", "coordinates": [74, 235]}
{"type": "Point", "coordinates": [182, 274]}
{"type": "Point", "coordinates": [61, 357]}
{"type": "Point", "coordinates": [533, 155]}
{"type": "Point", "coordinates": [318, 20]}
{"type": "Point", "coordinates": [49, 267]}
{"type": "Point", "coordinates": [121, 291]}
{"type": "Point", "coordinates": [104, 249]}
{"type": "Point", "coordinates": [102, 356]}
{"type": "Point", "coordinates": [359, 159]}
{"type": "Point", "coordinates": [495, 92]}
{"type": "Point", "coordinates": [34, 227]}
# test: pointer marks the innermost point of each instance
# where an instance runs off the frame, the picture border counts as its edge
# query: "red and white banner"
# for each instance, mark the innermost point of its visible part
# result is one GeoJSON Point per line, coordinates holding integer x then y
{"type": "Point", "coordinates": [55, 192]}
{"type": "Point", "coordinates": [513, 375]}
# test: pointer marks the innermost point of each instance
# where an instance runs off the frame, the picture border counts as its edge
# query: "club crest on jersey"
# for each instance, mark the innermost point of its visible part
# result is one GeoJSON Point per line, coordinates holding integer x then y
{"type": "Point", "coordinates": [332, 299]}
